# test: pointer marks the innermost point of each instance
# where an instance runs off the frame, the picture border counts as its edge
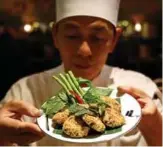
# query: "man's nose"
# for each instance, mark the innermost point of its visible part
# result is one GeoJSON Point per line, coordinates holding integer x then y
{"type": "Point", "coordinates": [84, 49]}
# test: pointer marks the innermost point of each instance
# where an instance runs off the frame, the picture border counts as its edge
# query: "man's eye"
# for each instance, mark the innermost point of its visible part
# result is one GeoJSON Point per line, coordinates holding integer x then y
{"type": "Point", "coordinates": [98, 38]}
{"type": "Point", "coordinates": [72, 37]}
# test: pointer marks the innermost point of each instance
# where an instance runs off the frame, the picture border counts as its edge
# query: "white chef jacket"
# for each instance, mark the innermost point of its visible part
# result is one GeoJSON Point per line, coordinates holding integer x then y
{"type": "Point", "coordinates": [37, 88]}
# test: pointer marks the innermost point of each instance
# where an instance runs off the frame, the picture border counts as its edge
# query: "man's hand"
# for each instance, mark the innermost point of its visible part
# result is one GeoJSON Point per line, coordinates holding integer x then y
{"type": "Point", "coordinates": [12, 129]}
{"type": "Point", "coordinates": [151, 122]}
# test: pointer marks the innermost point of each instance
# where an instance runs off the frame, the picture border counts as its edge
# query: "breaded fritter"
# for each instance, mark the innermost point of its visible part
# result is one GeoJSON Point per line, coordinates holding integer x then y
{"type": "Point", "coordinates": [113, 118]}
{"type": "Point", "coordinates": [60, 117]}
{"type": "Point", "coordinates": [75, 127]}
{"type": "Point", "coordinates": [94, 122]}
{"type": "Point", "coordinates": [114, 104]}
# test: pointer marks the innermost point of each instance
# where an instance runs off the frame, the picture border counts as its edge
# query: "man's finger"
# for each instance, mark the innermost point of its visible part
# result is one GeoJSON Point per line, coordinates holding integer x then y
{"type": "Point", "coordinates": [141, 102]}
{"type": "Point", "coordinates": [23, 108]}
{"type": "Point", "coordinates": [136, 93]}
{"type": "Point", "coordinates": [31, 128]}
{"type": "Point", "coordinates": [18, 127]}
{"type": "Point", "coordinates": [24, 139]}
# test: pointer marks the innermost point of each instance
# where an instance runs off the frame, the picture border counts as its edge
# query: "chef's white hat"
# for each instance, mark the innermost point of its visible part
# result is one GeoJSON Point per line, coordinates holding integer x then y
{"type": "Point", "coordinates": [106, 9]}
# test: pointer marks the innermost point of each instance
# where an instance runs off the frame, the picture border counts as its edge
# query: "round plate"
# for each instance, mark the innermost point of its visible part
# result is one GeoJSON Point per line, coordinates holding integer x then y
{"type": "Point", "coordinates": [128, 104]}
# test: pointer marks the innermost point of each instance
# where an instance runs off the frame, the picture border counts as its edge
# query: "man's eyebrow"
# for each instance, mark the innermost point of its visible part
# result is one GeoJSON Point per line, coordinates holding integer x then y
{"type": "Point", "coordinates": [100, 27]}
{"type": "Point", "coordinates": [70, 25]}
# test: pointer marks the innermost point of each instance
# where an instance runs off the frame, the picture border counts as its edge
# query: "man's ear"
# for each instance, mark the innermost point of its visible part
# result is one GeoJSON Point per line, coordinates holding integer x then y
{"type": "Point", "coordinates": [118, 32]}
{"type": "Point", "coordinates": [54, 34]}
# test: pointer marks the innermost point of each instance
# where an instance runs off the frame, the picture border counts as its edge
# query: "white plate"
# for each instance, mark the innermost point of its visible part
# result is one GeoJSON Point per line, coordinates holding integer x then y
{"type": "Point", "coordinates": [128, 103]}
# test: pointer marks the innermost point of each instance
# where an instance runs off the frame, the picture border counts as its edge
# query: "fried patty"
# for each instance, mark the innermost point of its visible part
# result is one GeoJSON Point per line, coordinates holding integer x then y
{"type": "Point", "coordinates": [112, 103]}
{"type": "Point", "coordinates": [75, 127]}
{"type": "Point", "coordinates": [60, 117]}
{"type": "Point", "coordinates": [94, 122]}
{"type": "Point", "coordinates": [112, 118]}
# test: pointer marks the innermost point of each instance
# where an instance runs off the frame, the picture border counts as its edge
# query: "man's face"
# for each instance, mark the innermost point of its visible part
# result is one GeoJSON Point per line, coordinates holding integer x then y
{"type": "Point", "coordinates": [84, 44]}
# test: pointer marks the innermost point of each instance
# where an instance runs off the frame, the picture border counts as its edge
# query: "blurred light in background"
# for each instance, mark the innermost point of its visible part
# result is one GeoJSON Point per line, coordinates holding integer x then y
{"type": "Point", "coordinates": [128, 31]}
{"type": "Point", "coordinates": [125, 23]}
{"type": "Point", "coordinates": [138, 27]}
{"type": "Point", "coordinates": [51, 24]}
{"type": "Point", "coordinates": [145, 30]}
{"type": "Point", "coordinates": [43, 27]}
{"type": "Point", "coordinates": [36, 25]}
{"type": "Point", "coordinates": [27, 28]}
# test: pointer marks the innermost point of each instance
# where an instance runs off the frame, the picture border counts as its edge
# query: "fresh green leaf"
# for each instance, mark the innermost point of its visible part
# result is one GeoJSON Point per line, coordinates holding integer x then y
{"type": "Point", "coordinates": [82, 112]}
{"type": "Point", "coordinates": [63, 97]}
{"type": "Point", "coordinates": [79, 110]}
{"type": "Point", "coordinates": [84, 81]}
{"type": "Point", "coordinates": [92, 96]}
{"type": "Point", "coordinates": [113, 130]}
{"type": "Point", "coordinates": [52, 106]}
{"type": "Point", "coordinates": [49, 101]}
{"type": "Point", "coordinates": [104, 91]}
{"type": "Point", "coordinates": [58, 131]}
{"type": "Point", "coordinates": [75, 108]}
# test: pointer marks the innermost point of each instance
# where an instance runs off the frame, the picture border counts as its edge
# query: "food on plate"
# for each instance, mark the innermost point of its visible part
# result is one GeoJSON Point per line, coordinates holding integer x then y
{"type": "Point", "coordinates": [112, 103]}
{"type": "Point", "coordinates": [61, 117]}
{"type": "Point", "coordinates": [113, 118]}
{"type": "Point", "coordinates": [94, 122]}
{"type": "Point", "coordinates": [80, 111]}
{"type": "Point", "coordinates": [75, 127]}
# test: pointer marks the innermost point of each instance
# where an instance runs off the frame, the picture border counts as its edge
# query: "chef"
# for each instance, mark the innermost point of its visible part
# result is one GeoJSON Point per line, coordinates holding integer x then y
{"type": "Point", "coordinates": [85, 33]}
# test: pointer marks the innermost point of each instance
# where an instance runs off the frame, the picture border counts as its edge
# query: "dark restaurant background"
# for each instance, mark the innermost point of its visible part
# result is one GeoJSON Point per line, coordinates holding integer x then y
{"type": "Point", "coordinates": [26, 45]}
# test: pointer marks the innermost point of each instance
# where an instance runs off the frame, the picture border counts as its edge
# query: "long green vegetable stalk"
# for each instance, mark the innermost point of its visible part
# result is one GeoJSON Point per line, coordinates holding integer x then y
{"type": "Point", "coordinates": [72, 84]}
{"type": "Point", "coordinates": [64, 80]}
{"type": "Point", "coordinates": [62, 84]}
{"type": "Point", "coordinates": [76, 83]}
{"type": "Point", "coordinates": [69, 81]}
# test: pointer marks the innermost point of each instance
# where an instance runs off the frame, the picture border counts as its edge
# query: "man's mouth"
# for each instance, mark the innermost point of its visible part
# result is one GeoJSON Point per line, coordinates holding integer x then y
{"type": "Point", "coordinates": [82, 66]}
